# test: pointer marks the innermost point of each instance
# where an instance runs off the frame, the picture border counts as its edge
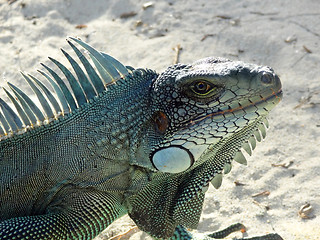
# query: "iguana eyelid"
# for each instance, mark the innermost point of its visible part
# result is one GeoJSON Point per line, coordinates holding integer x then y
{"type": "Point", "coordinates": [209, 87]}
{"type": "Point", "coordinates": [214, 90]}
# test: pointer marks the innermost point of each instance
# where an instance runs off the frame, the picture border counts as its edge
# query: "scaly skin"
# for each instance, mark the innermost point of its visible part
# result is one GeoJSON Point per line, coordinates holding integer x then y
{"type": "Point", "coordinates": [148, 146]}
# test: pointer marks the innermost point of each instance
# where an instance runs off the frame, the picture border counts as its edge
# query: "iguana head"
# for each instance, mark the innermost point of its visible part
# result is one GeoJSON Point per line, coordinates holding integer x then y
{"type": "Point", "coordinates": [196, 106]}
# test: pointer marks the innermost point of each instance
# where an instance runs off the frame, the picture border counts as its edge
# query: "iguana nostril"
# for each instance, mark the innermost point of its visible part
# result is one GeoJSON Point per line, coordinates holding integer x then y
{"type": "Point", "coordinates": [267, 78]}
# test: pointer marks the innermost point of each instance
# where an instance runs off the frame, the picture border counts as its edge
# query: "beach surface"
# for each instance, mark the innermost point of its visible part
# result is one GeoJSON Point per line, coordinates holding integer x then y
{"type": "Point", "coordinates": [283, 174]}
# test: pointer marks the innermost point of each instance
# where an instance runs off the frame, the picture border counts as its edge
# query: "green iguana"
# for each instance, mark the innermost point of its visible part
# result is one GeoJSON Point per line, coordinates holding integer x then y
{"type": "Point", "coordinates": [121, 140]}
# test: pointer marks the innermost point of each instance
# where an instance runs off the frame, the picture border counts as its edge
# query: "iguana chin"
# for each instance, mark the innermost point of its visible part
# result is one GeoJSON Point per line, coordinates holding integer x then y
{"type": "Point", "coordinates": [120, 140]}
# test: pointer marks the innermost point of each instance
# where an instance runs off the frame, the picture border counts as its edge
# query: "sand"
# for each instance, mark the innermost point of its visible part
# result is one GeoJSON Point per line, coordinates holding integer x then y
{"type": "Point", "coordinates": [282, 34]}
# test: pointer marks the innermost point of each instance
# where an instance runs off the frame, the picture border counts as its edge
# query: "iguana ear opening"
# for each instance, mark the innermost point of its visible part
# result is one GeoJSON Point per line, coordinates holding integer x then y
{"type": "Point", "coordinates": [172, 159]}
{"type": "Point", "coordinates": [161, 122]}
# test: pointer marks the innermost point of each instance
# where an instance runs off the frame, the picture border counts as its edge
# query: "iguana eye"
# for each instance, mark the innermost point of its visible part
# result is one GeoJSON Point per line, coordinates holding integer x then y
{"type": "Point", "coordinates": [202, 87]}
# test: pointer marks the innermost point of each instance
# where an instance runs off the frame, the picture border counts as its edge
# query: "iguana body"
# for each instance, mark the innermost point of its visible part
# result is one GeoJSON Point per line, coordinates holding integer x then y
{"type": "Point", "coordinates": [126, 141]}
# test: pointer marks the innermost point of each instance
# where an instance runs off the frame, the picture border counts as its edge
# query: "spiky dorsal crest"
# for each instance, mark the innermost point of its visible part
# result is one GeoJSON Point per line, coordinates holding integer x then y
{"type": "Point", "coordinates": [84, 87]}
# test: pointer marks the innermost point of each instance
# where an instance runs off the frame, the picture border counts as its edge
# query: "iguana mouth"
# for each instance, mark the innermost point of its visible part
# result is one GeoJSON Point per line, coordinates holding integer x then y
{"type": "Point", "coordinates": [274, 96]}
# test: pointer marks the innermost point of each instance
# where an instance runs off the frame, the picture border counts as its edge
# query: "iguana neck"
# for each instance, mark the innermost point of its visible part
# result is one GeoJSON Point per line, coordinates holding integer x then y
{"type": "Point", "coordinates": [116, 124]}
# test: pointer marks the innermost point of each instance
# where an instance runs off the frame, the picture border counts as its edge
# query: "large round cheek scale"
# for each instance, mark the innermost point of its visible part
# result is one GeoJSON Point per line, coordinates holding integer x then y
{"type": "Point", "coordinates": [173, 159]}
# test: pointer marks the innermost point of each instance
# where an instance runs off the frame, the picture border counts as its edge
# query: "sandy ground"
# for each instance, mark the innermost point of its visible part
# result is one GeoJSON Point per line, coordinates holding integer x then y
{"type": "Point", "coordinates": [283, 34]}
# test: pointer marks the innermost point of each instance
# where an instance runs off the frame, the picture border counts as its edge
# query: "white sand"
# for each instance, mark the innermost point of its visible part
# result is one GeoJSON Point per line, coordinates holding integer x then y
{"type": "Point", "coordinates": [254, 32]}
